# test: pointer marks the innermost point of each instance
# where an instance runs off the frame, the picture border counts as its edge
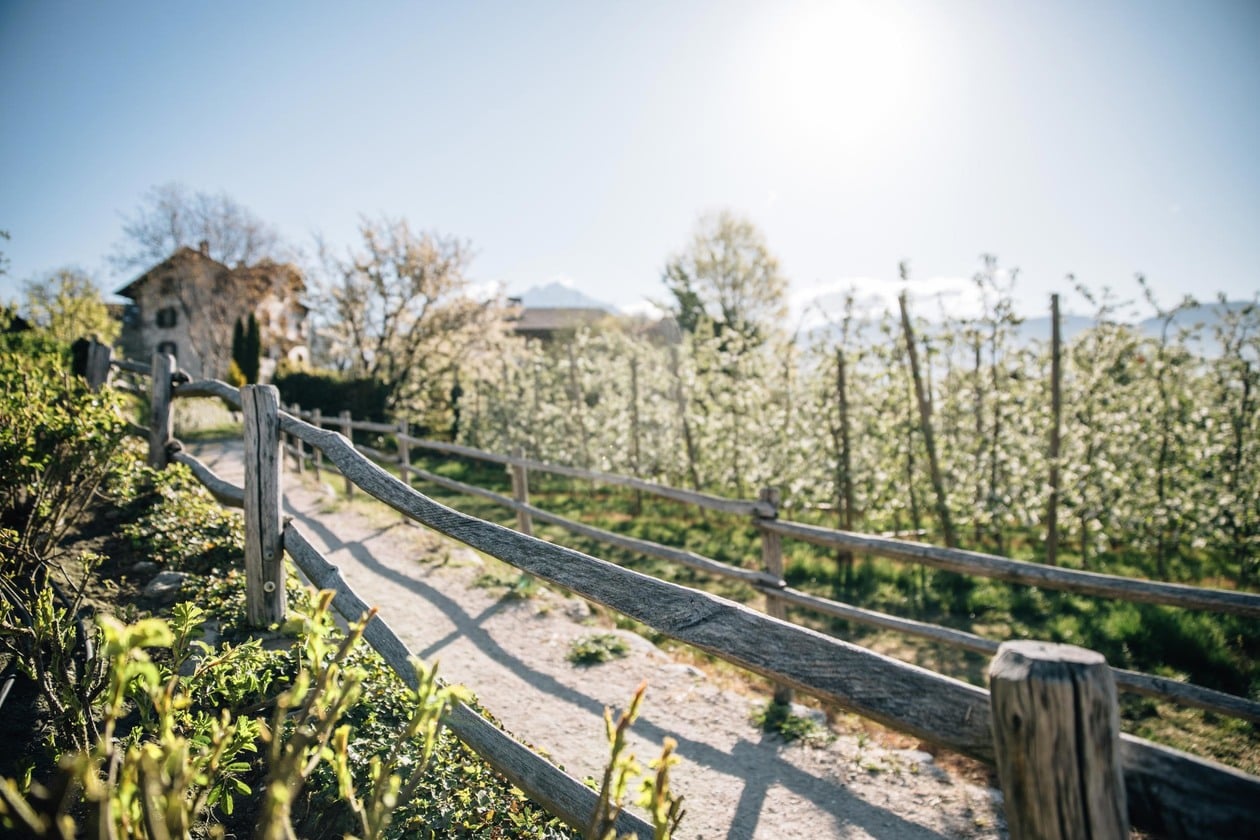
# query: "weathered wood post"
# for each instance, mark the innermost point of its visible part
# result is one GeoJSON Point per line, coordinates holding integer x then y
{"type": "Point", "coordinates": [1056, 730]}
{"type": "Point", "coordinates": [404, 452]}
{"type": "Point", "coordinates": [98, 358]}
{"type": "Point", "coordinates": [1056, 431]}
{"type": "Point", "coordinates": [520, 492]}
{"type": "Point", "coordinates": [772, 562]}
{"type": "Point", "coordinates": [317, 420]}
{"type": "Point", "coordinates": [264, 553]}
{"type": "Point", "coordinates": [348, 431]}
{"type": "Point", "coordinates": [161, 373]}
{"type": "Point", "coordinates": [925, 419]}
{"type": "Point", "coordinates": [299, 451]}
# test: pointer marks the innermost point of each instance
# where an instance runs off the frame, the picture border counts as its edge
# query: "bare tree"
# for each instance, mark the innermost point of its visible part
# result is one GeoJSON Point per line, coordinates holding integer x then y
{"type": "Point", "coordinates": [170, 216]}
{"type": "Point", "coordinates": [398, 309]}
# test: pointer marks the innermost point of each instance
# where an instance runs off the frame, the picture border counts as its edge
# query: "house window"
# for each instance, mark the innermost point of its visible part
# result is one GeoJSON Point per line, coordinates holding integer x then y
{"type": "Point", "coordinates": [166, 317]}
{"type": "Point", "coordinates": [169, 348]}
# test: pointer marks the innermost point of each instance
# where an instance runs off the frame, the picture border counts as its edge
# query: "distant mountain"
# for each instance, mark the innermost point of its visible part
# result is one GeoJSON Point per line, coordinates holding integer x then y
{"type": "Point", "coordinates": [1208, 316]}
{"type": "Point", "coordinates": [558, 296]}
{"type": "Point", "coordinates": [1037, 330]}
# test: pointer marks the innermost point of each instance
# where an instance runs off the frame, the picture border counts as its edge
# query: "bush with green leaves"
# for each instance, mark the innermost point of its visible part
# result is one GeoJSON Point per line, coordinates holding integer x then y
{"type": "Point", "coordinates": [596, 648]}
{"type": "Point", "coordinates": [58, 448]}
{"type": "Point", "coordinates": [179, 524]}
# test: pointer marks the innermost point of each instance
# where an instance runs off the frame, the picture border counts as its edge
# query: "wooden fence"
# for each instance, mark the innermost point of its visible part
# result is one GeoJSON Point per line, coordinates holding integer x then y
{"type": "Point", "coordinates": [1050, 723]}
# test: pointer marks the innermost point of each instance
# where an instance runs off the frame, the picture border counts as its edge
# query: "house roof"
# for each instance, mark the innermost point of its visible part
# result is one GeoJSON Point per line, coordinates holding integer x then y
{"type": "Point", "coordinates": [183, 253]}
{"type": "Point", "coordinates": [552, 319]}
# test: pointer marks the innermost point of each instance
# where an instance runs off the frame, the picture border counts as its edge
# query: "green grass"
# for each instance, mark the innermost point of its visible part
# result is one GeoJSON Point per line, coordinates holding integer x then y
{"type": "Point", "coordinates": [1216, 651]}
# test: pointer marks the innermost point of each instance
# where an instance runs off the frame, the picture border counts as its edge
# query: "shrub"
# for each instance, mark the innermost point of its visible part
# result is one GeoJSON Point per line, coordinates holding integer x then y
{"type": "Point", "coordinates": [332, 393]}
{"type": "Point", "coordinates": [596, 648]}
{"type": "Point", "coordinates": [57, 446]}
{"type": "Point", "coordinates": [180, 524]}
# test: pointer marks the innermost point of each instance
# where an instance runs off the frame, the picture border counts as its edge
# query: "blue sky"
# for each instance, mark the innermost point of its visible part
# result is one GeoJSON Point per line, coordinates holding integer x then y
{"type": "Point", "coordinates": [581, 140]}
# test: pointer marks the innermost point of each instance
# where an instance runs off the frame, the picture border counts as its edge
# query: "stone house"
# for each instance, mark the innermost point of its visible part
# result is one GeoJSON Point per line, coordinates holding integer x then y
{"type": "Point", "coordinates": [188, 304]}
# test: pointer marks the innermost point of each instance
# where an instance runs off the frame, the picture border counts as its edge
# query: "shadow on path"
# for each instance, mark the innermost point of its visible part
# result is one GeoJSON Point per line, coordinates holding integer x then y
{"type": "Point", "coordinates": [843, 806]}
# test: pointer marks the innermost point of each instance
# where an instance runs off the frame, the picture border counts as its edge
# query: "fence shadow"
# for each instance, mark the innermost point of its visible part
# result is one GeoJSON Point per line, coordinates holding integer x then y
{"type": "Point", "coordinates": [845, 808]}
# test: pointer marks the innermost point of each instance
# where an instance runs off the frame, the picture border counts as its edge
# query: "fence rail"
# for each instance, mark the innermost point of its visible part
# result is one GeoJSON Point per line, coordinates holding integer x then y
{"type": "Point", "coordinates": [775, 588]}
{"type": "Point", "coordinates": [1163, 790]}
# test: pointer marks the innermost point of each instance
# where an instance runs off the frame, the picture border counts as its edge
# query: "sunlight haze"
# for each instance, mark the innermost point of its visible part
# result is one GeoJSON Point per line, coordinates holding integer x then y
{"type": "Point", "coordinates": [583, 140]}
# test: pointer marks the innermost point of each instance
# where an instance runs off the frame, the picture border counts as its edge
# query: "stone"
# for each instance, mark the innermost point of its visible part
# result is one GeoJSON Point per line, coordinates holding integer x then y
{"type": "Point", "coordinates": [164, 588]}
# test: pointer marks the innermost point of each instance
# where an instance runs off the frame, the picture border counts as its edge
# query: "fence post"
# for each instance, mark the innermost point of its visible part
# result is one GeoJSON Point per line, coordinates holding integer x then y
{"type": "Point", "coordinates": [264, 553]}
{"type": "Point", "coordinates": [348, 431]}
{"type": "Point", "coordinates": [520, 492]}
{"type": "Point", "coordinates": [1056, 729]}
{"type": "Point", "coordinates": [317, 421]}
{"type": "Point", "coordinates": [772, 561]}
{"type": "Point", "coordinates": [404, 452]}
{"type": "Point", "coordinates": [98, 357]}
{"type": "Point", "coordinates": [297, 442]}
{"type": "Point", "coordinates": [161, 372]}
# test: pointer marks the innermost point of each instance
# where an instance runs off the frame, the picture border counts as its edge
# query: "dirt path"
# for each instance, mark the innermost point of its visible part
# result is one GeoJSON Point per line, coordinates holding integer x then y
{"type": "Point", "coordinates": [738, 782]}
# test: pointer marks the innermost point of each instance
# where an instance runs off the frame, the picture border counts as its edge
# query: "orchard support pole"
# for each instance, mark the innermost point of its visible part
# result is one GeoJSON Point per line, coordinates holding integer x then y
{"type": "Point", "coordinates": [299, 448]}
{"type": "Point", "coordinates": [925, 419]}
{"type": "Point", "coordinates": [520, 492]}
{"type": "Point", "coordinates": [348, 431]}
{"type": "Point", "coordinates": [163, 370]}
{"type": "Point", "coordinates": [264, 552]}
{"type": "Point", "coordinates": [404, 452]}
{"type": "Point", "coordinates": [317, 421]}
{"type": "Point", "coordinates": [1056, 431]}
{"type": "Point", "coordinates": [772, 562]}
{"type": "Point", "coordinates": [1056, 731]}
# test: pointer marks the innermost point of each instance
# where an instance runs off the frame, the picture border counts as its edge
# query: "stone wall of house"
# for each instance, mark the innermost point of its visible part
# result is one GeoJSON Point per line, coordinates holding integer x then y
{"type": "Point", "coordinates": [188, 304]}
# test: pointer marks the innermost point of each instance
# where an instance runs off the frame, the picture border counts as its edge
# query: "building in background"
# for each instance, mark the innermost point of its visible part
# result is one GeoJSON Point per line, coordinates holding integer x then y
{"type": "Point", "coordinates": [188, 304]}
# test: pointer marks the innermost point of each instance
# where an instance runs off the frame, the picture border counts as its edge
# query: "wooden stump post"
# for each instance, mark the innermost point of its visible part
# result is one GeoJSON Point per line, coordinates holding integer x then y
{"type": "Point", "coordinates": [772, 562]}
{"type": "Point", "coordinates": [520, 492]}
{"type": "Point", "coordinates": [1056, 730]}
{"type": "Point", "coordinates": [161, 372]}
{"type": "Point", "coordinates": [317, 455]}
{"type": "Point", "coordinates": [404, 452]}
{"type": "Point", "coordinates": [264, 552]}
{"type": "Point", "coordinates": [348, 431]}
{"type": "Point", "coordinates": [299, 450]}
{"type": "Point", "coordinates": [98, 358]}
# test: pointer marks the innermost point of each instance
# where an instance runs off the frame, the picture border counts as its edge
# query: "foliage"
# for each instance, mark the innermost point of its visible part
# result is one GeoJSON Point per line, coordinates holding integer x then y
{"type": "Point", "coordinates": [57, 446]}
{"type": "Point", "coordinates": [728, 278]}
{"type": "Point", "coordinates": [246, 349]}
{"type": "Point", "coordinates": [170, 217]}
{"type": "Point", "coordinates": [180, 525]}
{"type": "Point", "coordinates": [654, 793]}
{"type": "Point", "coordinates": [41, 632]}
{"type": "Point", "coordinates": [395, 780]}
{"type": "Point", "coordinates": [67, 305]}
{"type": "Point", "coordinates": [779, 718]}
{"type": "Point", "coordinates": [333, 393]}
{"type": "Point", "coordinates": [399, 311]}
{"type": "Point", "coordinates": [595, 648]}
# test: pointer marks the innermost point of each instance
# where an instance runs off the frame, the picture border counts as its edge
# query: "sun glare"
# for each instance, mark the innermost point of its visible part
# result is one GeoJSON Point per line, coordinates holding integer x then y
{"type": "Point", "coordinates": [835, 75]}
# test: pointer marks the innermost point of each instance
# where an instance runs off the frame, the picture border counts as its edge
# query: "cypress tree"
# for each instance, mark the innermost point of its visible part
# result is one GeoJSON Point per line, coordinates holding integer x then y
{"type": "Point", "coordinates": [253, 351]}
{"type": "Point", "coordinates": [238, 343]}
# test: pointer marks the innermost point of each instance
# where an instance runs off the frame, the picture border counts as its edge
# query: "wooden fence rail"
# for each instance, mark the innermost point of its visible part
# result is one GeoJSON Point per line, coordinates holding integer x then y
{"type": "Point", "coordinates": [775, 588]}
{"type": "Point", "coordinates": [1163, 791]}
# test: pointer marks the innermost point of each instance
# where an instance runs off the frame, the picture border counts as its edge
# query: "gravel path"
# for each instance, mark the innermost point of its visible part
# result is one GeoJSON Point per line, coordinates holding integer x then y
{"type": "Point", "coordinates": [738, 782]}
